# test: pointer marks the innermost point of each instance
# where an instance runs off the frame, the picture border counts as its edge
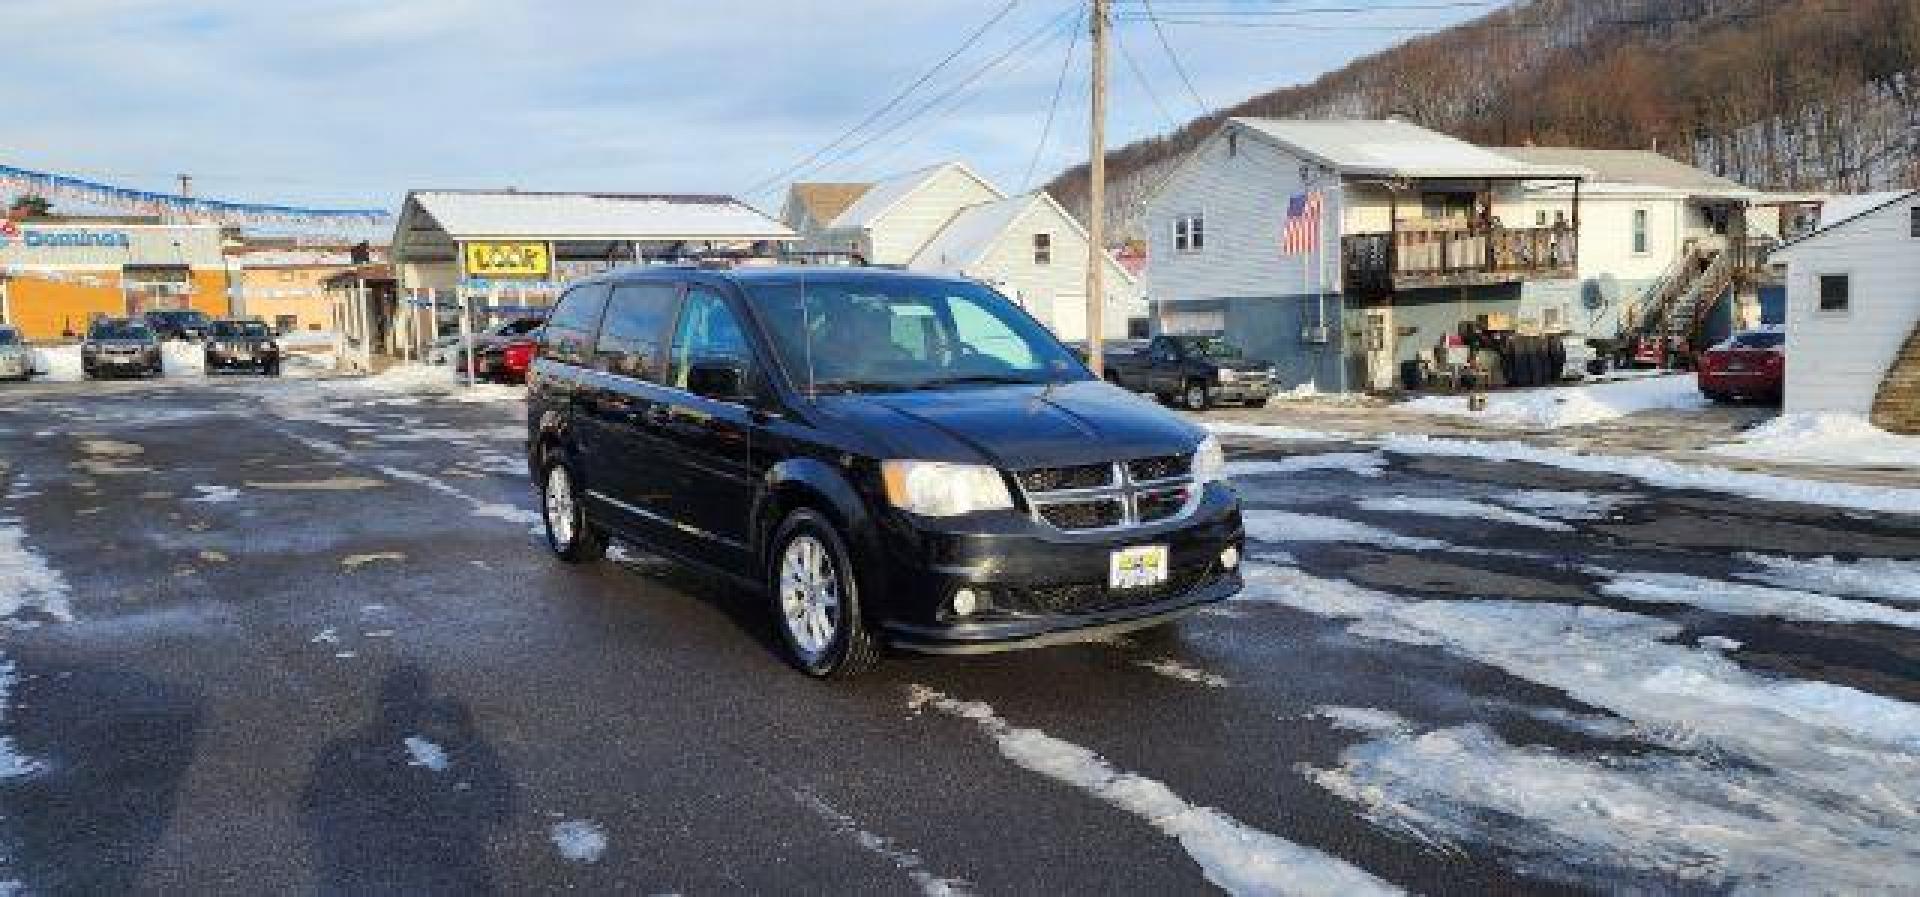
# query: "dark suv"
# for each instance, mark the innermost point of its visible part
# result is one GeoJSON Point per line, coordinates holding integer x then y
{"type": "Point", "coordinates": [239, 344]}
{"type": "Point", "coordinates": [887, 457]}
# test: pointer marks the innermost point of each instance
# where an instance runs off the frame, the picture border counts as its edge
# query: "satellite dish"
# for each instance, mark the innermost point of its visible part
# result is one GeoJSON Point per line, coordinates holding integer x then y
{"type": "Point", "coordinates": [1600, 292]}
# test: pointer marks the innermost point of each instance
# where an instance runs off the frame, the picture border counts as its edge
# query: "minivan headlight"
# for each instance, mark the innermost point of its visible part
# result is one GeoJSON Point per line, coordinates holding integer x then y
{"type": "Point", "coordinates": [1209, 462]}
{"type": "Point", "coordinates": [942, 489]}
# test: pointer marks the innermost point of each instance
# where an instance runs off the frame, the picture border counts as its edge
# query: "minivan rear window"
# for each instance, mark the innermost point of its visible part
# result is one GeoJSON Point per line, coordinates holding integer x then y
{"type": "Point", "coordinates": [633, 329]}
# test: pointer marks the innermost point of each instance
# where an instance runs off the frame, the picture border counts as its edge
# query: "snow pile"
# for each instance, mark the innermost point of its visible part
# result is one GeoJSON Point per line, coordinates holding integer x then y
{"type": "Point", "coordinates": [1818, 796]}
{"type": "Point", "coordinates": [60, 364]}
{"type": "Point", "coordinates": [1748, 600]}
{"type": "Point", "coordinates": [1234, 857]}
{"type": "Point", "coordinates": [579, 840]}
{"type": "Point", "coordinates": [1866, 578]}
{"type": "Point", "coordinates": [27, 582]}
{"type": "Point", "coordinates": [418, 379]}
{"type": "Point", "coordinates": [308, 339]}
{"type": "Point", "coordinates": [1836, 439]}
{"type": "Point", "coordinates": [1287, 526]}
{"type": "Point", "coordinates": [179, 358]}
{"type": "Point", "coordinates": [1365, 464]}
{"type": "Point", "coordinates": [1458, 508]}
{"type": "Point", "coordinates": [1572, 406]}
{"type": "Point", "coordinates": [1671, 475]}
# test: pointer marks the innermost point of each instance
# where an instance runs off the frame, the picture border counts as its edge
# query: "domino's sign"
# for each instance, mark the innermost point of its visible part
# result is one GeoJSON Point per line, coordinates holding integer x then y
{"type": "Point", "coordinates": [12, 233]}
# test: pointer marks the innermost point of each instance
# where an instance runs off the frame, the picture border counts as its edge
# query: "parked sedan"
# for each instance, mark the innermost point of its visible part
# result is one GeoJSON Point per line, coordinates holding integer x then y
{"type": "Point", "coordinates": [242, 345]}
{"type": "Point", "coordinates": [1751, 365]}
{"type": "Point", "coordinates": [16, 360]}
{"type": "Point", "coordinates": [120, 346]}
{"type": "Point", "coordinates": [180, 324]}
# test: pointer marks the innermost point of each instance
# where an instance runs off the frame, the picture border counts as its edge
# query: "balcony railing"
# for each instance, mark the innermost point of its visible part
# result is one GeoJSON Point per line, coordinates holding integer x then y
{"type": "Point", "coordinates": [1458, 257]}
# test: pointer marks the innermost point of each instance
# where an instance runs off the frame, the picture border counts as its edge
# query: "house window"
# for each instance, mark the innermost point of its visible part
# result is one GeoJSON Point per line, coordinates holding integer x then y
{"type": "Point", "coordinates": [1189, 233]}
{"type": "Point", "coordinates": [1043, 249]}
{"type": "Point", "coordinates": [1916, 221]}
{"type": "Point", "coordinates": [1834, 292]}
{"type": "Point", "coordinates": [286, 277]}
{"type": "Point", "coordinates": [1640, 232]}
{"type": "Point", "coordinates": [1540, 218]}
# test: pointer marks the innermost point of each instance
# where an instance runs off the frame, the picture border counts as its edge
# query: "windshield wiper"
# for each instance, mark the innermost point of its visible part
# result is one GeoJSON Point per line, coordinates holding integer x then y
{"type": "Point", "coordinates": [836, 386]}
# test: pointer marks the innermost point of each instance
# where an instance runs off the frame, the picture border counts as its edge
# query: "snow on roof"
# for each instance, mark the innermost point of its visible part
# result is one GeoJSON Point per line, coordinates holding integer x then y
{"type": "Point", "coordinates": [595, 216]}
{"type": "Point", "coordinates": [886, 194]}
{"type": "Point", "coordinates": [1636, 167]}
{"type": "Point", "coordinates": [294, 258]}
{"type": "Point", "coordinates": [971, 233]}
{"type": "Point", "coordinates": [1392, 148]}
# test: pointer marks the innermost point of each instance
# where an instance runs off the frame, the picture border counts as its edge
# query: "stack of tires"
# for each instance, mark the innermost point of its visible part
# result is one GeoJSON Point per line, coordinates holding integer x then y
{"type": "Point", "coordinates": [1533, 360]}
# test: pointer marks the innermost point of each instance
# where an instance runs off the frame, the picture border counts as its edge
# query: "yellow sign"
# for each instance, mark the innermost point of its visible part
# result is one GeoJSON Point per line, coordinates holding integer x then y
{"type": "Point", "coordinates": [508, 260]}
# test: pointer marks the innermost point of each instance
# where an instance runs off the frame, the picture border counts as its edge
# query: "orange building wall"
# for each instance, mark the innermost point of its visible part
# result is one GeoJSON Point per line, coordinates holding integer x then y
{"type": "Point", "coordinates": [45, 310]}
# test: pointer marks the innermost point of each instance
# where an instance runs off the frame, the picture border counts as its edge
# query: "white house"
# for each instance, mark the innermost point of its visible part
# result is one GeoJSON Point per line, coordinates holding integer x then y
{"type": "Point", "coordinates": [1029, 248]}
{"type": "Point", "coordinates": [892, 219]}
{"type": "Point", "coordinates": [1853, 301]}
{"type": "Point", "coordinates": [1421, 231]}
{"type": "Point", "coordinates": [1648, 222]}
{"type": "Point", "coordinates": [947, 218]}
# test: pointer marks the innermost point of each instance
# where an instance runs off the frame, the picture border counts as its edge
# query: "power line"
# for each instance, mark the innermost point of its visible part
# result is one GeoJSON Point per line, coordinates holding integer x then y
{"type": "Point", "coordinates": [1053, 107]}
{"type": "Point", "coordinates": [890, 104]}
{"type": "Point", "coordinates": [969, 81]}
{"type": "Point", "coordinates": [1140, 75]}
{"type": "Point", "coordinates": [1175, 58]}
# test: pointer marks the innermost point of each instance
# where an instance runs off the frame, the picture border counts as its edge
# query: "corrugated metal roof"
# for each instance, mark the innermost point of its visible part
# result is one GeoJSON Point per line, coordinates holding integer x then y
{"type": "Point", "coordinates": [1644, 167]}
{"type": "Point", "coordinates": [888, 193]}
{"type": "Point", "coordinates": [1389, 148]}
{"type": "Point", "coordinates": [468, 215]}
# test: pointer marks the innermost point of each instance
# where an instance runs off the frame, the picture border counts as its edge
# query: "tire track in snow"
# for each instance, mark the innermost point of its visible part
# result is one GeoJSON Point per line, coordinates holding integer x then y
{"type": "Point", "coordinates": [1233, 856]}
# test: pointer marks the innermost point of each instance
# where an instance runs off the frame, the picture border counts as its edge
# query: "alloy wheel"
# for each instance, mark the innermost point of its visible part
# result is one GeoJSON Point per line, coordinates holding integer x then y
{"type": "Point", "coordinates": [559, 505]}
{"type": "Point", "coordinates": [810, 600]}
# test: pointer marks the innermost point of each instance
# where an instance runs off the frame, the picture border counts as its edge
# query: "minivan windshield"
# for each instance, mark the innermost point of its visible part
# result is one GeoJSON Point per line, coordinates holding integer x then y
{"type": "Point", "coordinates": [871, 335]}
{"type": "Point", "coordinates": [240, 330]}
{"type": "Point", "coordinates": [119, 330]}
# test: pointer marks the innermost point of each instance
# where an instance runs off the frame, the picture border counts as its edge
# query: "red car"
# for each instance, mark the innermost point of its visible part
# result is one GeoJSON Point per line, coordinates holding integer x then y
{"type": "Point", "coordinates": [506, 362]}
{"type": "Point", "coordinates": [1751, 365]}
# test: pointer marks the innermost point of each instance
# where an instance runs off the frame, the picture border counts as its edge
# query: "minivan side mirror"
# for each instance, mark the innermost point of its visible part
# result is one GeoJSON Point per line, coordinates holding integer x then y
{"type": "Point", "coordinates": [717, 379]}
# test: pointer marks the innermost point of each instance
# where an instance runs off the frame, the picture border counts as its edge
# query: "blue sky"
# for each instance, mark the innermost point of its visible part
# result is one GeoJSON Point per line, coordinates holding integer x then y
{"type": "Point", "coordinates": [352, 102]}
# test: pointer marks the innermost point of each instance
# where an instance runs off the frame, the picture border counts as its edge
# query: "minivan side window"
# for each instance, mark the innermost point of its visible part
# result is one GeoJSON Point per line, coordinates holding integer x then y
{"type": "Point", "coordinates": [569, 332]}
{"type": "Point", "coordinates": [634, 328]}
{"type": "Point", "coordinates": [708, 332]}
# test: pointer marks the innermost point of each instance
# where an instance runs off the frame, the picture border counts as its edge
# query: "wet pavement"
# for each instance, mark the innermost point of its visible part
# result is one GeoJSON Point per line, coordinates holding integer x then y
{"type": "Point", "coordinates": [311, 642]}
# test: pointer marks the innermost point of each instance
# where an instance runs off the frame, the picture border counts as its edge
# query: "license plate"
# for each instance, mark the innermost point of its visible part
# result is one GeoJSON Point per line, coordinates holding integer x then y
{"type": "Point", "coordinates": [1137, 568]}
{"type": "Point", "coordinates": [242, 356]}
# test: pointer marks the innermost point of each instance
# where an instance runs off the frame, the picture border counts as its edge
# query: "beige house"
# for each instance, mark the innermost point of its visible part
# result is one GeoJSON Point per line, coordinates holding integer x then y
{"type": "Point", "coordinates": [892, 219]}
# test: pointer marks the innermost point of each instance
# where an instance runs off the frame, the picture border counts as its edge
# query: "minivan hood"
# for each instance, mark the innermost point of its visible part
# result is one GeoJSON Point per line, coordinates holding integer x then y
{"type": "Point", "coordinates": [1016, 427]}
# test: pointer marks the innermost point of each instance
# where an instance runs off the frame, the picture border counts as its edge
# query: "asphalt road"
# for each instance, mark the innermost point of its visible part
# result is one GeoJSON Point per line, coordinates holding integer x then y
{"type": "Point", "coordinates": [315, 646]}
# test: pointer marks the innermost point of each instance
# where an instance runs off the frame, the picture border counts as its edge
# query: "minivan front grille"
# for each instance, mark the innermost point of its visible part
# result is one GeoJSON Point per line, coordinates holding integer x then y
{"type": "Point", "coordinates": [1091, 497]}
{"type": "Point", "coordinates": [1055, 479]}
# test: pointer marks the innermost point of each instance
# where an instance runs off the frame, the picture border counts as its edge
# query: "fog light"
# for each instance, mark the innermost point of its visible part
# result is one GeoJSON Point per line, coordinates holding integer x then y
{"type": "Point", "coordinates": [1230, 557]}
{"type": "Point", "coordinates": [965, 602]}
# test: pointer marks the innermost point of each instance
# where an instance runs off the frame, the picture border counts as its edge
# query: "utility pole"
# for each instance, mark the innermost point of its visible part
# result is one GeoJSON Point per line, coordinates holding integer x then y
{"type": "Point", "coordinates": [1097, 196]}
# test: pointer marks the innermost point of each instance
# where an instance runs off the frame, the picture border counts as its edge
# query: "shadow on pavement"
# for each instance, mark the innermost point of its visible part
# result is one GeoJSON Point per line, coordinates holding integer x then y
{"type": "Point", "coordinates": [380, 819]}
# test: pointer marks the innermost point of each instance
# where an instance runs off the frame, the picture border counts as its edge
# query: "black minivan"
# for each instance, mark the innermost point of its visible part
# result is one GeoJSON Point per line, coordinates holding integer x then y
{"type": "Point", "coordinates": [889, 457]}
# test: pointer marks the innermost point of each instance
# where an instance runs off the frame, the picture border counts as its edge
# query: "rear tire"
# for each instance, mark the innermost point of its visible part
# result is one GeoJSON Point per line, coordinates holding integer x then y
{"type": "Point", "coordinates": [815, 599]}
{"type": "Point", "coordinates": [571, 536]}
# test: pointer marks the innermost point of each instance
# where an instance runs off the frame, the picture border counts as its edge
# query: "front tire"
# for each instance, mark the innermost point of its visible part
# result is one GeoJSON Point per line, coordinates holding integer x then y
{"type": "Point", "coordinates": [816, 599]}
{"type": "Point", "coordinates": [572, 537]}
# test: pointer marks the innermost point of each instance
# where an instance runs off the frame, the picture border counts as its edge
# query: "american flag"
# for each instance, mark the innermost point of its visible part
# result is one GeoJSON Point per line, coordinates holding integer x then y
{"type": "Point", "coordinates": [1303, 224]}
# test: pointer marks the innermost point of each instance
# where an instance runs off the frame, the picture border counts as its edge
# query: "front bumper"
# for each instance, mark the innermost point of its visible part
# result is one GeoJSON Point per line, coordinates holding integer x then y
{"type": "Point", "coordinates": [1242, 391]}
{"type": "Point", "coordinates": [1041, 586]}
{"type": "Point", "coordinates": [248, 360]}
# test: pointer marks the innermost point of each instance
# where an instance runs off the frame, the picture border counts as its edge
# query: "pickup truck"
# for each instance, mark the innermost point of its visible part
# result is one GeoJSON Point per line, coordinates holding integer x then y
{"type": "Point", "coordinates": [1197, 371]}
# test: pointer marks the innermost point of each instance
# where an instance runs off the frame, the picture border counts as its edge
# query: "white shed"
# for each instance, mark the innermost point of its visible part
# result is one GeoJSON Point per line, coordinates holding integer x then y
{"type": "Point", "coordinates": [1029, 248]}
{"type": "Point", "coordinates": [1853, 300]}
